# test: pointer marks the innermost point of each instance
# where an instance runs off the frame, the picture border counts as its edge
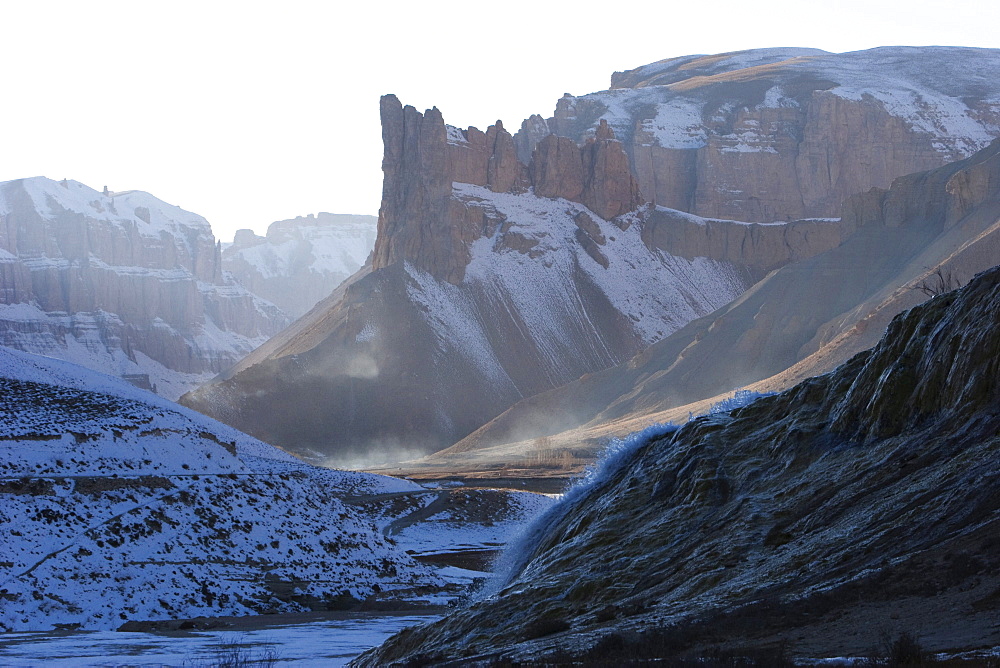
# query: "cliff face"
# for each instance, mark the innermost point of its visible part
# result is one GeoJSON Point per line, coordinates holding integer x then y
{"type": "Point", "coordinates": [856, 503]}
{"type": "Point", "coordinates": [786, 134]}
{"type": "Point", "coordinates": [420, 222]}
{"type": "Point", "coordinates": [491, 280]}
{"type": "Point", "coordinates": [123, 283]}
{"type": "Point", "coordinates": [802, 320]}
{"type": "Point", "coordinates": [300, 261]}
{"type": "Point", "coordinates": [530, 260]}
{"type": "Point", "coordinates": [762, 247]}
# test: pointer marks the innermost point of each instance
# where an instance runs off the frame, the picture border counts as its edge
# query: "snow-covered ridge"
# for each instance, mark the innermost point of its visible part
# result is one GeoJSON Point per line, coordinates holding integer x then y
{"type": "Point", "coordinates": [150, 216]}
{"type": "Point", "coordinates": [301, 260]}
{"type": "Point", "coordinates": [932, 88]}
{"type": "Point", "coordinates": [122, 282]}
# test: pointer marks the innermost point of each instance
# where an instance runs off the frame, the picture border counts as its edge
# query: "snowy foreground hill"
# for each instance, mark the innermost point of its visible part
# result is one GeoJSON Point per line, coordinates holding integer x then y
{"type": "Point", "coordinates": [118, 506]}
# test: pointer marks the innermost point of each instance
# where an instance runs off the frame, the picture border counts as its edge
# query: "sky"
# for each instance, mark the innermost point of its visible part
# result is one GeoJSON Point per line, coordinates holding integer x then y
{"type": "Point", "coordinates": [250, 112]}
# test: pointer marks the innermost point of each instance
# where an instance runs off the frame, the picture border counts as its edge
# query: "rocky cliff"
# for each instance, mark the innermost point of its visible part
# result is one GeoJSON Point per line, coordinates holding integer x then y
{"type": "Point", "coordinates": [520, 258]}
{"type": "Point", "coordinates": [802, 320]}
{"type": "Point", "coordinates": [121, 282]}
{"type": "Point", "coordinates": [421, 222]}
{"type": "Point", "coordinates": [491, 280]}
{"type": "Point", "coordinates": [300, 261]}
{"type": "Point", "coordinates": [786, 134]}
{"type": "Point", "coordinates": [857, 503]}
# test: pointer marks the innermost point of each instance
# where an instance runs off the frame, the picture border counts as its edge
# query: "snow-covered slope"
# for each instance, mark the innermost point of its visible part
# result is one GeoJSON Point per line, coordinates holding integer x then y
{"type": "Point", "coordinates": [403, 361]}
{"type": "Point", "coordinates": [547, 280]}
{"type": "Point", "coordinates": [116, 505]}
{"type": "Point", "coordinates": [301, 260]}
{"type": "Point", "coordinates": [123, 283]}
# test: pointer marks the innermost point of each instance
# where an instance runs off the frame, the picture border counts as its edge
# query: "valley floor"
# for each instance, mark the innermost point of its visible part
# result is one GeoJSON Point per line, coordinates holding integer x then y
{"type": "Point", "coordinates": [308, 639]}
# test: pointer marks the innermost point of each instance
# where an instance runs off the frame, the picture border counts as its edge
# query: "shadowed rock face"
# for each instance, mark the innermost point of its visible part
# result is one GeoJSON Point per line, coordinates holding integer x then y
{"type": "Point", "coordinates": [858, 501]}
{"type": "Point", "coordinates": [786, 134]}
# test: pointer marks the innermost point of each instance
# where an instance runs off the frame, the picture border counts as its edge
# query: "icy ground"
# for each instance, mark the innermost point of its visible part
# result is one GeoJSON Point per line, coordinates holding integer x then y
{"type": "Point", "coordinates": [326, 643]}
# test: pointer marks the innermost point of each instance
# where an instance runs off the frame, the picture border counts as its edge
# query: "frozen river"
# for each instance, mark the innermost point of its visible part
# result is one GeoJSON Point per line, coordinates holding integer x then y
{"type": "Point", "coordinates": [319, 643]}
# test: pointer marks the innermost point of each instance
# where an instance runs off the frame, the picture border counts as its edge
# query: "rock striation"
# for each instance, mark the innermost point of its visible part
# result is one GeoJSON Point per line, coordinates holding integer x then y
{"type": "Point", "coordinates": [856, 503]}
{"type": "Point", "coordinates": [802, 320]}
{"type": "Point", "coordinates": [786, 134]}
{"type": "Point", "coordinates": [121, 282]}
{"type": "Point", "coordinates": [420, 222]}
{"type": "Point", "coordinates": [301, 260]}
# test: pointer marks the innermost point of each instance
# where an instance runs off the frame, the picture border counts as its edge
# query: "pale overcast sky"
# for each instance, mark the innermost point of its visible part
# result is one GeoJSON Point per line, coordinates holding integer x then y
{"type": "Point", "coordinates": [250, 112]}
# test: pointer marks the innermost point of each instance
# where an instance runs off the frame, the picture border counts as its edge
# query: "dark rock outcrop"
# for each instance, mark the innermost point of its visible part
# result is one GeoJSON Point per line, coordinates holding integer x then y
{"type": "Point", "coordinates": [853, 504]}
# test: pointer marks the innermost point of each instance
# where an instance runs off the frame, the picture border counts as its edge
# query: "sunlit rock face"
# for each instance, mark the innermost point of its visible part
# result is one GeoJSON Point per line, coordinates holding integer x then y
{"type": "Point", "coordinates": [123, 283]}
{"type": "Point", "coordinates": [804, 319]}
{"type": "Point", "coordinates": [785, 134]}
{"type": "Point", "coordinates": [301, 260]}
{"type": "Point", "coordinates": [423, 223]}
{"type": "Point", "coordinates": [856, 503]}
